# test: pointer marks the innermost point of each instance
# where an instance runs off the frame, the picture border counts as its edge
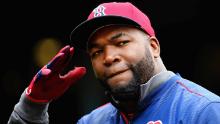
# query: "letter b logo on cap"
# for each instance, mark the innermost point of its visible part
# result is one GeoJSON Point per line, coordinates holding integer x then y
{"type": "Point", "coordinates": [99, 11]}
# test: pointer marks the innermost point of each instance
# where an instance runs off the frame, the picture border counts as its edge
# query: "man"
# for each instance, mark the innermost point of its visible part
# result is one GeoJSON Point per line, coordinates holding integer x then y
{"type": "Point", "coordinates": [125, 56]}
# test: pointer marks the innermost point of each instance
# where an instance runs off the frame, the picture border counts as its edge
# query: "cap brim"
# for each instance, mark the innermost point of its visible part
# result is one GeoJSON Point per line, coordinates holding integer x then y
{"type": "Point", "coordinates": [79, 36]}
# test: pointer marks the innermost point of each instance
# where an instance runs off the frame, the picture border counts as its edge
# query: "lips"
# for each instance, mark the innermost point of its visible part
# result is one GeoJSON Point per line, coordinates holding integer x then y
{"type": "Point", "coordinates": [112, 74]}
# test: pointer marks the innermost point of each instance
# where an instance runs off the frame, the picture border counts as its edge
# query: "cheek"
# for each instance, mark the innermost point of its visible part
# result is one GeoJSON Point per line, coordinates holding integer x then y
{"type": "Point", "coordinates": [97, 69]}
{"type": "Point", "coordinates": [135, 54]}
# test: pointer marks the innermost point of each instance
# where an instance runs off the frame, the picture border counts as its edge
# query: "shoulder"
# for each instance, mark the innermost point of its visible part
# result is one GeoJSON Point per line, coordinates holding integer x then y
{"type": "Point", "coordinates": [194, 90]}
{"type": "Point", "coordinates": [196, 101]}
{"type": "Point", "coordinates": [209, 114]}
{"type": "Point", "coordinates": [195, 97]}
{"type": "Point", "coordinates": [99, 115]}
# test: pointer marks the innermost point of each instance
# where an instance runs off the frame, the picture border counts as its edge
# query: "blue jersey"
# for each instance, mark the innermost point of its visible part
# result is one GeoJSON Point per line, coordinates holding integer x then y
{"type": "Point", "coordinates": [177, 101]}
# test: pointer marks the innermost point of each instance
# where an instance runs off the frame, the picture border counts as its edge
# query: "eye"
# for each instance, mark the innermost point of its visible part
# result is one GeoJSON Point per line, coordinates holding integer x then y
{"type": "Point", "coordinates": [96, 53]}
{"type": "Point", "coordinates": [123, 43]}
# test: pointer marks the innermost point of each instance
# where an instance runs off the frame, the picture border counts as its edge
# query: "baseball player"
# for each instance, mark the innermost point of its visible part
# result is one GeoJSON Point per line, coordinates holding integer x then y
{"type": "Point", "coordinates": [125, 56]}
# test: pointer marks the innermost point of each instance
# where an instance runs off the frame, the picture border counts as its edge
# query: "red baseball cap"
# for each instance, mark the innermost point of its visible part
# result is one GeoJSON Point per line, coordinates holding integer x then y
{"type": "Point", "coordinates": [120, 13]}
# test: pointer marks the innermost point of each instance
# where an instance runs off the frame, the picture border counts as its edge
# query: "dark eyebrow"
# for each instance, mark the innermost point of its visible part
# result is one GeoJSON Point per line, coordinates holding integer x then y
{"type": "Point", "coordinates": [117, 35]}
{"type": "Point", "coordinates": [94, 45]}
{"type": "Point", "coordinates": [91, 46]}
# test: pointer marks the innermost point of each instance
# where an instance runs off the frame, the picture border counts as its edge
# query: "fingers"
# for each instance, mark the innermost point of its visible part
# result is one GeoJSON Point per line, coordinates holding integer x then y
{"type": "Point", "coordinates": [61, 60]}
{"type": "Point", "coordinates": [68, 58]}
{"type": "Point", "coordinates": [55, 61]}
{"type": "Point", "coordinates": [41, 74]}
{"type": "Point", "coordinates": [64, 49]}
{"type": "Point", "coordinates": [74, 75]}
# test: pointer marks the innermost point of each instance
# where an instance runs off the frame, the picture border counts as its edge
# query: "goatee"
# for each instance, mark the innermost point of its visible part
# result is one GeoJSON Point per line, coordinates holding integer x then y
{"type": "Point", "coordinates": [142, 72]}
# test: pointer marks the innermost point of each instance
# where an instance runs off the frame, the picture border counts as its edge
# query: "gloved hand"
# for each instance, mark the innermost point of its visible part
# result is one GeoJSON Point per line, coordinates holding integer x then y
{"type": "Point", "coordinates": [48, 83]}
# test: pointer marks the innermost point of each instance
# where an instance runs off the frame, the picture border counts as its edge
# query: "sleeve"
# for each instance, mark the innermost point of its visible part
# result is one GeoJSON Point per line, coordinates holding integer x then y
{"type": "Point", "coordinates": [80, 121]}
{"type": "Point", "coordinates": [210, 114]}
{"type": "Point", "coordinates": [86, 119]}
{"type": "Point", "coordinates": [83, 120]}
{"type": "Point", "coordinates": [27, 112]}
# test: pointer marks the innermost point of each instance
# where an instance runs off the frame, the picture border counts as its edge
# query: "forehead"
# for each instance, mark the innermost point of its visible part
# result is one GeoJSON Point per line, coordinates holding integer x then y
{"type": "Point", "coordinates": [112, 31]}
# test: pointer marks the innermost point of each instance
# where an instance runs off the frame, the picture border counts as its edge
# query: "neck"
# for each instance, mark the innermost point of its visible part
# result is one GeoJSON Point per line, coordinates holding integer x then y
{"type": "Point", "coordinates": [159, 67]}
{"type": "Point", "coordinates": [125, 102]}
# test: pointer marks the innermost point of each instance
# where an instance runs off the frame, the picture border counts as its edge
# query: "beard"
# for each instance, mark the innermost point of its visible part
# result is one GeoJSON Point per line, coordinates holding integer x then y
{"type": "Point", "coordinates": [142, 72]}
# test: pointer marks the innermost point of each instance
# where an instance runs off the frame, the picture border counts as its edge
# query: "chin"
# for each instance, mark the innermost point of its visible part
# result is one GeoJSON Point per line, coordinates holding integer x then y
{"type": "Point", "coordinates": [119, 82]}
{"type": "Point", "coordinates": [119, 85]}
{"type": "Point", "coordinates": [124, 86]}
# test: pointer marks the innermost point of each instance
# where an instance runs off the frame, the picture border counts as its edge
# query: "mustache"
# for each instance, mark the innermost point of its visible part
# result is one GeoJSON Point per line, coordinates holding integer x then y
{"type": "Point", "coordinates": [133, 85]}
{"type": "Point", "coordinates": [114, 70]}
{"type": "Point", "coordinates": [117, 69]}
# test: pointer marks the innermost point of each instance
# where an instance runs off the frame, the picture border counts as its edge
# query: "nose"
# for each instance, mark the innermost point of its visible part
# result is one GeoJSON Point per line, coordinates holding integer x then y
{"type": "Point", "coordinates": [111, 56]}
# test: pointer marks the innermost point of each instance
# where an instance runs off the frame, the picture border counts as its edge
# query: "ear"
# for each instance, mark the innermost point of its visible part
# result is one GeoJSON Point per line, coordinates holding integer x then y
{"type": "Point", "coordinates": [154, 46]}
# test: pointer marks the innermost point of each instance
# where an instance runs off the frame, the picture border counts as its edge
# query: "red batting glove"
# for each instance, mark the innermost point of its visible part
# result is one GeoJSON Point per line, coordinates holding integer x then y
{"type": "Point", "coordinates": [48, 84]}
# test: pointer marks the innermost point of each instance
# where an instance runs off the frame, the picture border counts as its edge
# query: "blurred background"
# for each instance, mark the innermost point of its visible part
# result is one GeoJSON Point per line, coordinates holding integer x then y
{"type": "Point", "coordinates": [32, 33]}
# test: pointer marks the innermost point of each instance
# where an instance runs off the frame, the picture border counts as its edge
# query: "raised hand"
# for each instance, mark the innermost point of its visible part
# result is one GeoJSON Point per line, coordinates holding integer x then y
{"type": "Point", "coordinates": [48, 83]}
